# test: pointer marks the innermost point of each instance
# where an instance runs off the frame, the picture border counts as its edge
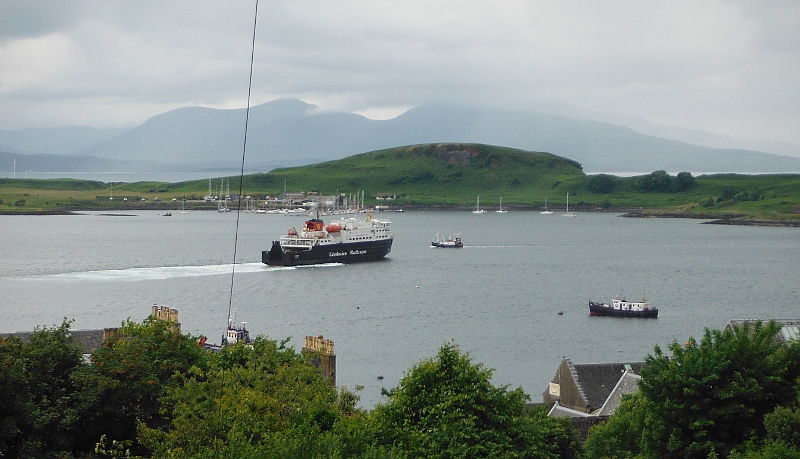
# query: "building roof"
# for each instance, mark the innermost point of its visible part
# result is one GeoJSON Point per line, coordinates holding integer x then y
{"type": "Point", "coordinates": [598, 380]}
{"type": "Point", "coordinates": [790, 328]}
{"type": "Point", "coordinates": [559, 411]}
{"type": "Point", "coordinates": [627, 384]}
{"type": "Point", "coordinates": [87, 340]}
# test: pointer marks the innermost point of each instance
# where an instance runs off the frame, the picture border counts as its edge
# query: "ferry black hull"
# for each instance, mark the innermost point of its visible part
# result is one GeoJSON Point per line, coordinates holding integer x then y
{"type": "Point", "coordinates": [352, 252]}
{"type": "Point", "coordinates": [595, 309]}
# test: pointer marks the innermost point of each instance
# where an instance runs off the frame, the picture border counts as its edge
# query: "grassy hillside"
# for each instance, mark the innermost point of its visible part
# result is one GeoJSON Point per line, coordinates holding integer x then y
{"type": "Point", "coordinates": [447, 176]}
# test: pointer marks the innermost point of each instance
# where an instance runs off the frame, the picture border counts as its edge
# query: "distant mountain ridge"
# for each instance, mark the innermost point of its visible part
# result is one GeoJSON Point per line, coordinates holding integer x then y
{"type": "Point", "coordinates": [290, 132]}
{"type": "Point", "coordinates": [54, 141]}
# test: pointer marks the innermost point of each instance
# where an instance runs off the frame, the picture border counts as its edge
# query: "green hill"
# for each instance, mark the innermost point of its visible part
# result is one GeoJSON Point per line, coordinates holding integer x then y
{"type": "Point", "coordinates": [448, 176]}
{"type": "Point", "coordinates": [434, 174]}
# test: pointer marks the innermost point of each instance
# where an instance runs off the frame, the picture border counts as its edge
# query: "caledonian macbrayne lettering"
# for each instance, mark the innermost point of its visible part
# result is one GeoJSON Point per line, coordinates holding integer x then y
{"type": "Point", "coordinates": [343, 254]}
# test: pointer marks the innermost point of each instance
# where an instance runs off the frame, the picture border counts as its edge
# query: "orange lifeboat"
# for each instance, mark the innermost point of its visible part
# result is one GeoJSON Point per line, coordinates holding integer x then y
{"type": "Point", "coordinates": [334, 228]}
{"type": "Point", "coordinates": [292, 232]}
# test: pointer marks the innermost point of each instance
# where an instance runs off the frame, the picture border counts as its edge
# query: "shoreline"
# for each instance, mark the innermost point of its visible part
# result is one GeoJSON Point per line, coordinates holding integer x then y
{"type": "Point", "coordinates": [732, 219]}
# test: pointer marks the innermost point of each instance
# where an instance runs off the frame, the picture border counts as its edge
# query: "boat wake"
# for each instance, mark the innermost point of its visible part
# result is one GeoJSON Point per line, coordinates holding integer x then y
{"type": "Point", "coordinates": [500, 246]}
{"type": "Point", "coordinates": [319, 265]}
{"type": "Point", "coordinates": [155, 273]}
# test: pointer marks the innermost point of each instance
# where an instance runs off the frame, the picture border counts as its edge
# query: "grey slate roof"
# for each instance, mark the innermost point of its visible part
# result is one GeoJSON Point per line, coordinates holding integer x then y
{"type": "Point", "coordinates": [558, 411]}
{"type": "Point", "coordinates": [598, 380]}
{"type": "Point", "coordinates": [627, 384]}
{"type": "Point", "coordinates": [790, 328]}
{"type": "Point", "coordinates": [88, 340]}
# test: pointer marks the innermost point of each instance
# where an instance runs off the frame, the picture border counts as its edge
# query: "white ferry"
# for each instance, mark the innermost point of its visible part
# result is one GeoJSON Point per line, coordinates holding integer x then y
{"type": "Point", "coordinates": [346, 240]}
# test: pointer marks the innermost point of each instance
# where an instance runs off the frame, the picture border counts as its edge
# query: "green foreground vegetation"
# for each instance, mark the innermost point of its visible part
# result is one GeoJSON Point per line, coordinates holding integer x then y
{"type": "Point", "coordinates": [445, 176]}
{"type": "Point", "coordinates": [154, 392]}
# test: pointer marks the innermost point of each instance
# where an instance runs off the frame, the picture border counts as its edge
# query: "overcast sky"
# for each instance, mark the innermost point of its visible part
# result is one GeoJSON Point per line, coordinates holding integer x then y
{"type": "Point", "coordinates": [728, 67]}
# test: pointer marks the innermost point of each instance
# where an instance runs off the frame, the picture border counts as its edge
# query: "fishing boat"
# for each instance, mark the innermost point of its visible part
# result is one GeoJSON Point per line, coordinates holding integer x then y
{"type": "Point", "coordinates": [347, 240]}
{"type": "Point", "coordinates": [620, 307]}
{"type": "Point", "coordinates": [452, 242]}
{"type": "Point", "coordinates": [235, 333]}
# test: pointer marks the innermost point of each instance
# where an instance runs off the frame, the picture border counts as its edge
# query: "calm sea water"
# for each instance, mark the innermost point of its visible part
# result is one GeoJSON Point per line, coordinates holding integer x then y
{"type": "Point", "coordinates": [498, 298]}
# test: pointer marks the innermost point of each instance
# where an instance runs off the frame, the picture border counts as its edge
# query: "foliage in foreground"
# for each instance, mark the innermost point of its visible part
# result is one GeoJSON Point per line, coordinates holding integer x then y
{"type": "Point", "coordinates": [154, 392]}
{"type": "Point", "coordinates": [252, 401]}
{"type": "Point", "coordinates": [732, 391]}
{"type": "Point", "coordinates": [446, 407]}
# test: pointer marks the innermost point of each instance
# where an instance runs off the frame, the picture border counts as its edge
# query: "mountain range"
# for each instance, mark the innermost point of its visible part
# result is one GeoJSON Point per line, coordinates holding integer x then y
{"type": "Point", "coordinates": [290, 132]}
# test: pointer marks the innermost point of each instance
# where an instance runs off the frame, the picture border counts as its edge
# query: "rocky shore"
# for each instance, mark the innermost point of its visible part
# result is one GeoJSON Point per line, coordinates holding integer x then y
{"type": "Point", "coordinates": [730, 219]}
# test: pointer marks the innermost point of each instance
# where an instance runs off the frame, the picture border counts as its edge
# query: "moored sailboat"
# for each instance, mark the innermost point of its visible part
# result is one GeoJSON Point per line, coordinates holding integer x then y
{"type": "Point", "coordinates": [568, 213]}
{"type": "Point", "coordinates": [545, 211]}
{"type": "Point", "coordinates": [501, 210]}
{"type": "Point", "coordinates": [478, 209]}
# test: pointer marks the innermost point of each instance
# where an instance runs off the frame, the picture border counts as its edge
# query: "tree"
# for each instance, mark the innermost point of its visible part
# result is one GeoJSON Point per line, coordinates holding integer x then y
{"type": "Point", "coordinates": [601, 183]}
{"type": "Point", "coordinates": [127, 378]}
{"type": "Point", "coordinates": [37, 415]}
{"type": "Point", "coordinates": [658, 181]}
{"type": "Point", "coordinates": [13, 406]}
{"type": "Point", "coordinates": [683, 181]}
{"type": "Point", "coordinates": [258, 400]}
{"type": "Point", "coordinates": [783, 425]}
{"type": "Point", "coordinates": [620, 436]}
{"type": "Point", "coordinates": [446, 407]}
{"type": "Point", "coordinates": [713, 395]}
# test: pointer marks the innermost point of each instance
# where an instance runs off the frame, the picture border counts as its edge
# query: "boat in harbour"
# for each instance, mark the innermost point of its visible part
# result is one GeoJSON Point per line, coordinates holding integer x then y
{"type": "Point", "coordinates": [346, 240]}
{"type": "Point", "coordinates": [452, 242]}
{"type": "Point", "coordinates": [620, 307]}
{"type": "Point", "coordinates": [568, 214]}
{"type": "Point", "coordinates": [478, 209]}
{"type": "Point", "coordinates": [235, 333]}
{"type": "Point", "coordinates": [501, 210]}
{"type": "Point", "coordinates": [546, 211]}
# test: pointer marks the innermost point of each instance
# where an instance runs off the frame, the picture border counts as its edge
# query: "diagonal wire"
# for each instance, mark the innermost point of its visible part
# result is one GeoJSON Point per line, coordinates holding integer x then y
{"type": "Point", "coordinates": [244, 152]}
